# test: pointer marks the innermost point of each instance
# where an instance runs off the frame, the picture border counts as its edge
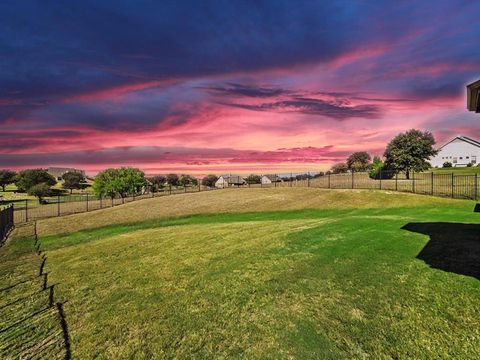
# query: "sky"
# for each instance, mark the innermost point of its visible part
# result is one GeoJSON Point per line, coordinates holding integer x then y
{"type": "Point", "coordinates": [229, 86]}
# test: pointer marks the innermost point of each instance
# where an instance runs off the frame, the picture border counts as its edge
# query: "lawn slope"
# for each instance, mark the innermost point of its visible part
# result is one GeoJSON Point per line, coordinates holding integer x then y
{"type": "Point", "coordinates": [267, 273]}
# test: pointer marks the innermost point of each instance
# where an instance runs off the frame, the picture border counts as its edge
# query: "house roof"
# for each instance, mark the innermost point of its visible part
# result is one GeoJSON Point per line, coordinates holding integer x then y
{"type": "Point", "coordinates": [272, 177]}
{"type": "Point", "coordinates": [473, 96]}
{"type": "Point", "coordinates": [233, 179]}
{"type": "Point", "coordinates": [463, 138]}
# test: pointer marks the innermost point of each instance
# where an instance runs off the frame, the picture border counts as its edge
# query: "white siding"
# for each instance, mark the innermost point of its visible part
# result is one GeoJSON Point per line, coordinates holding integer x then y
{"type": "Point", "coordinates": [221, 182]}
{"type": "Point", "coordinates": [265, 180]}
{"type": "Point", "coordinates": [458, 152]}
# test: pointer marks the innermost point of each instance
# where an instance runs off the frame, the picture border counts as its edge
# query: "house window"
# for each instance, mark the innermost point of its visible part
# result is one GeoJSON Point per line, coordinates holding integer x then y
{"type": "Point", "coordinates": [455, 159]}
{"type": "Point", "coordinates": [474, 159]}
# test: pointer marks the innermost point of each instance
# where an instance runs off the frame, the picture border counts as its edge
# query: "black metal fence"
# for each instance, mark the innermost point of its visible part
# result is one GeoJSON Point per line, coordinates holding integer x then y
{"type": "Point", "coordinates": [28, 210]}
{"type": "Point", "coordinates": [457, 186]}
{"type": "Point", "coordinates": [6, 222]}
{"type": "Point", "coordinates": [461, 186]}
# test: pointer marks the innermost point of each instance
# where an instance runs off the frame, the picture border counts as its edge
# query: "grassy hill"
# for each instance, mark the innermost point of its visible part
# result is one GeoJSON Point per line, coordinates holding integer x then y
{"type": "Point", "coordinates": [255, 273]}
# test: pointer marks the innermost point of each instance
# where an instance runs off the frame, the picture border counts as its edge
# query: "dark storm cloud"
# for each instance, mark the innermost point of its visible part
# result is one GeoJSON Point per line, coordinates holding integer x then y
{"type": "Point", "coordinates": [232, 89]}
{"type": "Point", "coordinates": [331, 109]}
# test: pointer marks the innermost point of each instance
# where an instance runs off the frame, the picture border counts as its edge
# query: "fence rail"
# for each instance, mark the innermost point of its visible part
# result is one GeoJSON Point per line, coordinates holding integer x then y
{"type": "Point", "coordinates": [444, 185]}
{"type": "Point", "coordinates": [462, 186]}
{"type": "Point", "coordinates": [6, 222]}
{"type": "Point", "coordinates": [28, 210]}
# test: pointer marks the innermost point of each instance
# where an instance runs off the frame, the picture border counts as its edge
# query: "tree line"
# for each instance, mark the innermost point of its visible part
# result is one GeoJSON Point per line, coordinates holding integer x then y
{"type": "Point", "coordinates": [38, 182]}
{"type": "Point", "coordinates": [112, 182]}
{"type": "Point", "coordinates": [406, 152]}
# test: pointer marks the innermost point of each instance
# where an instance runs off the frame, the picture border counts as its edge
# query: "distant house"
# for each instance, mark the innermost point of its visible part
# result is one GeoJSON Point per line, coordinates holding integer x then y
{"type": "Point", "coordinates": [460, 152]}
{"type": "Point", "coordinates": [229, 180]}
{"type": "Point", "coordinates": [58, 172]}
{"type": "Point", "coordinates": [269, 179]}
{"type": "Point", "coordinates": [473, 96]}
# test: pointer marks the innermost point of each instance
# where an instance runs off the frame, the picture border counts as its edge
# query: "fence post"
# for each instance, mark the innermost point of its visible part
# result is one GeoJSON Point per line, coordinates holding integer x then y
{"type": "Point", "coordinates": [199, 188]}
{"type": "Point", "coordinates": [381, 176]}
{"type": "Point", "coordinates": [170, 187]}
{"type": "Point", "coordinates": [476, 187]}
{"type": "Point", "coordinates": [308, 179]}
{"type": "Point", "coordinates": [58, 205]}
{"type": "Point", "coordinates": [432, 182]}
{"type": "Point", "coordinates": [413, 183]}
{"type": "Point", "coordinates": [329, 181]}
{"type": "Point", "coordinates": [87, 202]}
{"type": "Point", "coordinates": [452, 185]}
{"type": "Point", "coordinates": [100, 201]}
{"type": "Point", "coordinates": [353, 174]}
{"type": "Point", "coordinates": [26, 210]}
{"type": "Point", "coordinates": [185, 187]}
{"type": "Point", "coordinates": [396, 181]}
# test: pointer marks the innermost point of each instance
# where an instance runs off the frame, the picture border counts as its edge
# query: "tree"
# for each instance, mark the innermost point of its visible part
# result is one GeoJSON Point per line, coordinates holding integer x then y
{"type": "Point", "coordinates": [379, 170]}
{"type": "Point", "coordinates": [73, 180]}
{"type": "Point", "coordinates": [209, 180]}
{"type": "Point", "coordinates": [339, 168]}
{"type": "Point", "coordinates": [158, 182]}
{"type": "Point", "coordinates": [359, 161]}
{"type": "Point", "coordinates": [410, 151]}
{"type": "Point", "coordinates": [28, 178]}
{"type": "Point", "coordinates": [40, 191]}
{"type": "Point", "coordinates": [7, 177]}
{"type": "Point", "coordinates": [253, 179]}
{"type": "Point", "coordinates": [123, 181]}
{"type": "Point", "coordinates": [187, 180]}
{"type": "Point", "coordinates": [172, 179]}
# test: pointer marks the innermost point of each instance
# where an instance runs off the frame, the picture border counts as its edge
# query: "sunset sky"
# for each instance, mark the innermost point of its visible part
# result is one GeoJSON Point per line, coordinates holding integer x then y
{"type": "Point", "coordinates": [229, 86]}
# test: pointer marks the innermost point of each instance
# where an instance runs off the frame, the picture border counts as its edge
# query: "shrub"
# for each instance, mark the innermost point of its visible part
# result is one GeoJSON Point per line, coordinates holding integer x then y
{"type": "Point", "coordinates": [447, 164]}
{"type": "Point", "coordinates": [40, 191]}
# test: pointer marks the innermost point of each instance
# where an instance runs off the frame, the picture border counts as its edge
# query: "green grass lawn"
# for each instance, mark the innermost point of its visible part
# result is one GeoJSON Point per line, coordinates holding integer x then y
{"type": "Point", "coordinates": [332, 281]}
{"type": "Point", "coordinates": [458, 170]}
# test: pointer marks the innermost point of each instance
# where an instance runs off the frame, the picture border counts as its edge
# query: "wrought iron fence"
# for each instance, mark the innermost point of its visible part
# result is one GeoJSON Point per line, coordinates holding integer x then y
{"type": "Point", "coordinates": [28, 210]}
{"type": "Point", "coordinates": [461, 186]}
{"type": "Point", "coordinates": [6, 222]}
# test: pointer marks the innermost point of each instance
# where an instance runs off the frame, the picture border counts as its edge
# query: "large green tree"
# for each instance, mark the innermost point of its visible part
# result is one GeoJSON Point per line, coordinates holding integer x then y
{"type": "Point", "coordinates": [122, 181]}
{"type": "Point", "coordinates": [339, 168]}
{"type": "Point", "coordinates": [209, 180]}
{"type": "Point", "coordinates": [158, 182]}
{"type": "Point", "coordinates": [254, 179]}
{"type": "Point", "coordinates": [359, 161]}
{"type": "Point", "coordinates": [28, 178]}
{"type": "Point", "coordinates": [7, 177]}
{"type": "Point", "coordinates": [187, 180]}
{"type": "Point", "coordinates": [73, 180]}
{"type": "Point", "coordinates": [172, 179]}
{"type": "Point", "coordinates": [410, 151]}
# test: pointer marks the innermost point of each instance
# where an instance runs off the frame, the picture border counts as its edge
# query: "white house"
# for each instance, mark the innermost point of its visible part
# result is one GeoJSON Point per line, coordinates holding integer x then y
{"type": "Point", "coordinates": [269, 179]}
{"type": "Point", "coordinates": [459, 152]}
{"type": "Point", "coordinates": [229, 180]}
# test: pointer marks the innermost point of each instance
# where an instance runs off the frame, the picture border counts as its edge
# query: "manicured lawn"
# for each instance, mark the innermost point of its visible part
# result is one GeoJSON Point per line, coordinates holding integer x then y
{"type": "Point", "coordinates": [458, 170]}
{"type": "Point", "coordinates": [272, 273]}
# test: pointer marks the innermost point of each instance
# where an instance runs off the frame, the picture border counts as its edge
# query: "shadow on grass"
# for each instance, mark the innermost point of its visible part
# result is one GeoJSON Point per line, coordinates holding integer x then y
{"type": "Point", "coordinates": [453, 247]}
